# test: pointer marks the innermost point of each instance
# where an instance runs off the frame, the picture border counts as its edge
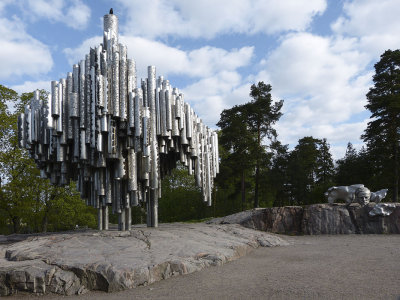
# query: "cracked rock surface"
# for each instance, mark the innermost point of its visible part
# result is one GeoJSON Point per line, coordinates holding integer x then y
{"type": "Point", "coordinates": [74, 262]}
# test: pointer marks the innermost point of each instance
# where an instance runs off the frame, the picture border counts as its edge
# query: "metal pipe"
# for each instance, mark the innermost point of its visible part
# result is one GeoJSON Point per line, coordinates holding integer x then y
{"type": "Point", "coordinates": [123, 81]}
{"type": "Point", "coordinates": [115, 84]}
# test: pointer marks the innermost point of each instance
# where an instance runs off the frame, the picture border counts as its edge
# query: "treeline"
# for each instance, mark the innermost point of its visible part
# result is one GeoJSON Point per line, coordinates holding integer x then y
{"type": "Point", "coordinates": [256, 169]}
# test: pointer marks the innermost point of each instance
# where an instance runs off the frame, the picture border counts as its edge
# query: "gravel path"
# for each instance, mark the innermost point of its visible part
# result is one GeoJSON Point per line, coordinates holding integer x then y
{"type": "Point", "coordinates": [314, 267]}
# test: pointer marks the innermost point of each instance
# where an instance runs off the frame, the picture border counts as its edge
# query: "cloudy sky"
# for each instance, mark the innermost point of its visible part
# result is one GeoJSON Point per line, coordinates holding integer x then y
{"type": "Point", "coordinates": [318, 55]}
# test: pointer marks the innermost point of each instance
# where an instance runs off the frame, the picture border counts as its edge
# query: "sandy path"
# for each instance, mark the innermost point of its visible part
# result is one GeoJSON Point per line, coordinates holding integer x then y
{"type": "Point", "coordinates": [314, 267]}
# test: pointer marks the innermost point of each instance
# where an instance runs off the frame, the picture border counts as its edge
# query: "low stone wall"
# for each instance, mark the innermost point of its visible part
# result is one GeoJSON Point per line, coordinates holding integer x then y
{"type": "Point", "coordinates": [316, 219]}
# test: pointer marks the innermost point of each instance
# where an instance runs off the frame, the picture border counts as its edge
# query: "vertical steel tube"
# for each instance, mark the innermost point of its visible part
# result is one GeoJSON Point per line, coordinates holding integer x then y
{"type": "Point", "coordinates": [100, 218]}
{"type": "Point", "coordinates": [115, 84]}
{"type": "Point", "coordinates": [123, 81]}
{"type": "Point", "coordinates": [82, 98]}
{"type": "Point", "coordinates": [105, 217]}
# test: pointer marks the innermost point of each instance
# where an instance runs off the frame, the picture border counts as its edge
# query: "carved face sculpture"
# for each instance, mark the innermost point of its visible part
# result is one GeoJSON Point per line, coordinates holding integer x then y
{"type": "Point", "coordinates": [362, 196]}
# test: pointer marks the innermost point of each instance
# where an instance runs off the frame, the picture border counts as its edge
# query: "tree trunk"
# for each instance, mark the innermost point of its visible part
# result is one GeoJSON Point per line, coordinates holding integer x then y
{"type": "Point", "coordinates": [256, 204]}
{"type": "Point", "coordinates": [16, 222]}
{"type": "Point", "coordinates": [45, 222]}
{"type": "Point", "coordinates": [396, 174]}
{"type": "Point", "coordinates": [243, 192]}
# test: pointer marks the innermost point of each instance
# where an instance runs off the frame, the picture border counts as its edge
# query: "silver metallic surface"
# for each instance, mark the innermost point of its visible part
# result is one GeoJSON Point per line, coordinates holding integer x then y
{"type": "Point", "coordinates": [115, 138]}
{"type": "Point", "coordinates": [123, 89]}
{"type": "Point", "coordinates": [54, 99]}
{"type": "Point", "coordinates": [358, 193]}
{"type": "Point", "coordinates": [115, 85]}
{"type": "Point", "coordinates": [82, 92]}
{"type": "Point", "coordinates": [382, 209]}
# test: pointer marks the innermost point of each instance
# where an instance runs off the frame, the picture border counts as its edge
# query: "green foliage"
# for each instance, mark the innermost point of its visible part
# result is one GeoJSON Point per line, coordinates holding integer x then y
{"type": "Point", "coordinates": [310, 169]}
{"type": "Point", "coordinates": [181, 198]}
{"type": "Point", "coordinates": [278, 175]}
{"type": "Point", "coordinates": [354, 168]}
{"type": "Point", "coordinates": [27, 202]}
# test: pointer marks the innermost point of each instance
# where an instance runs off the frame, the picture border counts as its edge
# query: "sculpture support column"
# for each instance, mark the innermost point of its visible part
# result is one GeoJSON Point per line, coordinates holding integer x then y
{"type": "Point", "coordinates": [148, 209]}
{"type": "Point", "coordinates": [105, 217]}
{"type": "Point", "coordinates": [121, 220]}
{"type": "Point", "coordinates": [100, 218]}
{"type": "Point", "coordinates": [128, 218]}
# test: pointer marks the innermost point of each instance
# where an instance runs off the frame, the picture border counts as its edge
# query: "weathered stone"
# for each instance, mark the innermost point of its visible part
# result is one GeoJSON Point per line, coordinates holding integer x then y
{"type": "Point", "coordinates": [364, 223]}
{"type": "Point", "coordinates": [286, 219]}
{"type": "Point", "coordinates": [327, 219]}
{"type": "Point", "coordinates": [317, 219]}
{"type": "Point", "coordinates": [74, 262]}
{"type": "Point", "coordinates": [254, 219]}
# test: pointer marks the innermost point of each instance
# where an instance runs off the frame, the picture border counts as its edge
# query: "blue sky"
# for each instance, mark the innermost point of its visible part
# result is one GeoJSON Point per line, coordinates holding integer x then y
{"type": "Point", "coordinates": [318, 55]}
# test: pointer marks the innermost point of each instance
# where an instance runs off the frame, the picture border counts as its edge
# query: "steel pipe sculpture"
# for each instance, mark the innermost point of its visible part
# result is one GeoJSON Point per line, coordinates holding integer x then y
{"type": "Point", "coordinates": [115, 138]}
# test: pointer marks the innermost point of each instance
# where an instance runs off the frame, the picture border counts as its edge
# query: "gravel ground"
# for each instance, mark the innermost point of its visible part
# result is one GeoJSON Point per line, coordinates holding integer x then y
{"type": "Point", "coordinates": [314, 267]}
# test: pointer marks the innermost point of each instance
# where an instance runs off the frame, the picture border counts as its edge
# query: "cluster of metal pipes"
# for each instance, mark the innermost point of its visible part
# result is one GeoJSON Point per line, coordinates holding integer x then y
{"type": "Point", "coordinates": [116, 139]}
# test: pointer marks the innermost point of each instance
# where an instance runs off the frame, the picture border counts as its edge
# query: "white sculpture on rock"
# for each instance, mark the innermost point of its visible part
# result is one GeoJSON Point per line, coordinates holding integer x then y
{"type": "Point", "coordinates": [349, 194]}
{"type": "Point", "coordinates": [358, 193]}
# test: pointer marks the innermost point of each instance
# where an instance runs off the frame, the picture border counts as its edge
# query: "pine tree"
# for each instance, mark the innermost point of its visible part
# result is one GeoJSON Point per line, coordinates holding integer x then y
{"type": "Point", "coordinates": [238, 144]}
{"type": "Point", "coordinates": [310, 170]}
{"type": "Point", "coordinates": [382, 134]}
{"type": "Point", "coordinates": [243, 129]}
{"type": "Point", "coordinates": [261, 115]}
{"type": "Point", "coordinates": [325, 168]}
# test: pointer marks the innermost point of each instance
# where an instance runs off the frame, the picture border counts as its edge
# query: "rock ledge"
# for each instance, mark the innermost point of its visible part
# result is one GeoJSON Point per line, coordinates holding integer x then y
{"type": "Point", "coordinates": [316, 219]}
{"type": "Point", "coordinates": [74, 262]}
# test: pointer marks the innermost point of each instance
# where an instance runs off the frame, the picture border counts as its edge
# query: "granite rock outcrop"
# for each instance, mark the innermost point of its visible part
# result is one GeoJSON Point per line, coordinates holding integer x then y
{"type": "Point", "coordinates": [316, 219]}
{"type": "Point", "coordinates": [74, 262]}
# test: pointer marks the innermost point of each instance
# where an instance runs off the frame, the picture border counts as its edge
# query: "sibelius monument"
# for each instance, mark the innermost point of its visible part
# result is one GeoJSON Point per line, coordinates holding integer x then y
{"type": "Point", "coordinates": [115, 138]}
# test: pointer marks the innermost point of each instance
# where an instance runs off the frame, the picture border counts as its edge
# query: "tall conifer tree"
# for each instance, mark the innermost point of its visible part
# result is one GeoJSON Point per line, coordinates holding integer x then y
{"type": "Point", "coordinates": [382, 134]}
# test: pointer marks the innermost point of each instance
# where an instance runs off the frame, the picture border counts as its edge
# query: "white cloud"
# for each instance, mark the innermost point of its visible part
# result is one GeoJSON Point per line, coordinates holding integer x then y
{"type": "Point", "coordinates": [75, 55]}
{"type": "Point", "coordinates": [210, 95]}
{"type": "Point", "coordinates": [73, 13]}
{"type": "Point", "coordinates": [78, 15]}
{"type": "Point", "coordinates": [321, 76]}
{"type": "Point", "coordinates": [30, 86]}
{"type": "Point", "coordinates": [202, 62]}
{"type": "Point", "coordinates": [323, 82]}
{"type": "Point", "coordinates": [208, 18]}
{"type": "Point", "coordinates": [20, 53]}
{"type": "Point", "coordinates": [375, 23]}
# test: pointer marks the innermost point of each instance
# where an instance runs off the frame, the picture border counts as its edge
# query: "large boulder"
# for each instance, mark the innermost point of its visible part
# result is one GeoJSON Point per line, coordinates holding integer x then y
{"type": "Point", "coordinates": [316, 219]}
